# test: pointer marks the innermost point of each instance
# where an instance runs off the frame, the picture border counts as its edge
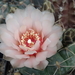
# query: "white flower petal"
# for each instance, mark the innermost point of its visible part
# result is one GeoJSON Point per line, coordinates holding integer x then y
{"type": "Point", "coordinates": [36, 15]}
{"type": "Point", "coordinates": [30, 52]}
{"type": "Point", "coordinates": [57, 30]}
{"type": "Point", "coordinates": [41, 56]}
{"type": "Point", "coordinates": [4, 47]}
{"type": "Point", "coordinates": [48, 16]}
{"type": "Point", "coordinates": [28, 63]}
{"type": "Point", "coordinates": [15, 47]}
{"type": "Point", "coordinates": [59, 45]}
{"type": "Point", "coordinates": [51, 51]}
{"type": "Point", "coordinates": [54, 39]}
{"type": "Point", "coordinates": [22, 29]}
{"type": "Point", "coordinates": [47, 27]}
{"type": "Point", "coordinates": [18, 15]}
{"type": "Point", "coordinates": [9, 16]}
{"type": "Point", "coordinates": [12, 53]}
{"type": "Point", "coordinates": [8, 39]}
{"type": "Point", "coordinates": [29, 9]}
{"type": "Point", "coordinates": [17, 63]}
{"type": "Point", "coordinates": [17, 35]}
{"type": "Point", "coordinates": [45, 44]}
{"type": "Point", "coordinates": [12, 25]}
{"type": "Point", "coordinates": [27, 22]}
{"type": "Point", "coordinates": [42, 65]}
{"type": "Point", "coordinates": [22, 56]}
{"type": "Point", "coordinates": [36, 46]}
{"type": "Point", "coordinates": [37, 26]}
{"type": "Point", "coordinates": [23, 48]}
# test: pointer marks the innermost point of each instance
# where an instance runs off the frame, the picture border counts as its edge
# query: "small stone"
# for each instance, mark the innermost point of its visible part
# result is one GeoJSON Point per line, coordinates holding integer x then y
{"type": "Point", "coordinates": [12, 9]}
{"type": "Point", "coordinates": [1, 16]}
{"type": "Point", "coordinates": [61, 9]}
{"type": "Point", "coordinates": [17, 73]}
{"type": "Point", "coordinates": [21, 2]}
{"type": "Point", "coordinates": [5, 5]}
{"type": "Point", "coordinates": [33, 74]}
{"type": "Point", "coordinates": [53, 0]}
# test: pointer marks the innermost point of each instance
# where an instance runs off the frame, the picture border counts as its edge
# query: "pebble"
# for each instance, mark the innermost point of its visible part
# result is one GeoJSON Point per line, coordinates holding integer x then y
{"type": "Point", "coordinates": [17, 73]}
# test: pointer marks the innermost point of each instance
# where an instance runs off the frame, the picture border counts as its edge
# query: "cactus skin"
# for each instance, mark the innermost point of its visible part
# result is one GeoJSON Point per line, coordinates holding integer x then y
{"type": "Point", "coordinates": [59, 64]}
{"type": "Point", "coordinates": [68, 37]}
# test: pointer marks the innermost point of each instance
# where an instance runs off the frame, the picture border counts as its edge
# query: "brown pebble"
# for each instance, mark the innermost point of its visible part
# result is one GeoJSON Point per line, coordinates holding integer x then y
{"type": "Point", "coordinates": [17, 73]}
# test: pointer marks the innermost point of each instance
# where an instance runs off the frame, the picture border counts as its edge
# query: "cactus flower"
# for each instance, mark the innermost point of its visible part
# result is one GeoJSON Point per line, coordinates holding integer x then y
{"type": "Point", "coordinates": [29, 37]}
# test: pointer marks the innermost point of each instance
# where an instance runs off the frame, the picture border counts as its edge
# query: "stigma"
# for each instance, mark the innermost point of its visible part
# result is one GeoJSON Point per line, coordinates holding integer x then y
{"type": "Point", "coordinates": [29, 41]}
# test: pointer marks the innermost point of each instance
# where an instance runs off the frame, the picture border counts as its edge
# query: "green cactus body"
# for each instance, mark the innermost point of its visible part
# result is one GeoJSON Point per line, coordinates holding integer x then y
{"type": "Point", "coordinates": [68, 37]}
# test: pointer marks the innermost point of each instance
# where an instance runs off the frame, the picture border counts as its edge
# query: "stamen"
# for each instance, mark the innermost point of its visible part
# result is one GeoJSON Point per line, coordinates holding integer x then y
{"type": "Point", "coordinates": [29, 38]}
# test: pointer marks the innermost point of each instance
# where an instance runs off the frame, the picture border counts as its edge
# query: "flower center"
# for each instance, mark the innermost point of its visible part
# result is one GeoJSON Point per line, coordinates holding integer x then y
{"type": "Point", "coordinates": [29, 38]}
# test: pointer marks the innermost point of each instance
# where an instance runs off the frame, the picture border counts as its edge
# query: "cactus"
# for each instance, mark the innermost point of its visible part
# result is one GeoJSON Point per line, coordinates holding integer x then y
{"type": "Point", "coordinates": [64, 60]}
{"type": "Point", "coordinates": [64, 11]}
{"type": "Point", "coordinates": [68, 37]}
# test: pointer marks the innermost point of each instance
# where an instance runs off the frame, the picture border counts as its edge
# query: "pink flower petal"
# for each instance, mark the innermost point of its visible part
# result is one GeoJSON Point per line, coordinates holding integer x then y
{"type": "Point", "coordinates": [51, 51]}
{"type": "Point", "coordinates": [22, 56]}
{"type": "Point", "coordinates": [12, 53]}
{"type": "Point", "coordinates": [34, 61]}
{"type": "Point", "coordinates": [9, 16]}
{"type": "Point", "coordinates": [4, 47]}
{"type": "Point", "coordinates": [54, 40]}
{"type": "Point", "coordinates": [46, 27]}
{"type": "Point", "coordinates": [2, 26]}
{"type": "Point", "coordinates": [37, 26]}
{"type": "Point", "coordinates": [57, 30]}
{"type": "Point", "coordinates": [36, 15]}
{"type": "Point", "coordinates": [17, 62]}
{"type": "Point", "coordinates": [17, 35]}
{"type": "Point", "coordinates": [29, 9]}
{"type": "Point", "coordinates": [30, 52]}
{"type": "Point", "coordinates": [23, 48]}
{"type": "Point", "coordinates": [59, 45]}
{"type": "Point", "coordinates": [48, 17]}
{"type": "Point", "coordinates": [23, 29]}
{"type": "Point", "coordinates": [31, 62]}
{"type": "Point", "coordinates": [45, 44]}
{"type": "Point", "coordinates": [42, 65]}
{"type": "Point", "coordinates": [12, 25]}
{"type": "Point", "coordinates": [18, 15]}
{"type": "Point", "coordinates": [28, 63]}
{"type": "Point", "coordinates": [36, 46]}
{"type": "Point", "coordinates": [8, 39]}
{"type": "Point", "coordinates": [15, 47]}
{"type": "Point", "coordinates": [3, 29]}
{"type": "Point", "coordinates": [27, 22]}
{"type": "Point", "coordinates": [41, 56]}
